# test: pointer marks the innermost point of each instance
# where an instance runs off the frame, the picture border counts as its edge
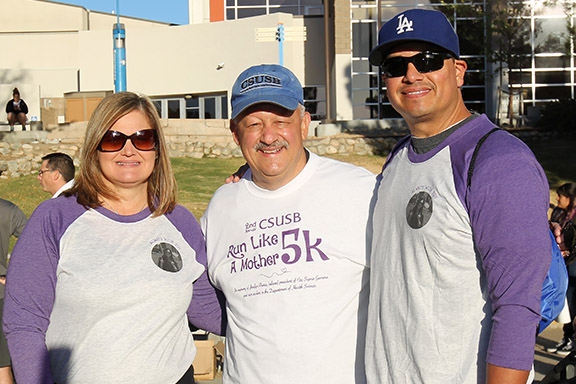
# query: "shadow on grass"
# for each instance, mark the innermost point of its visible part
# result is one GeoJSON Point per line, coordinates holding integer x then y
{"type": "Point", "coordinates": [558, 158]}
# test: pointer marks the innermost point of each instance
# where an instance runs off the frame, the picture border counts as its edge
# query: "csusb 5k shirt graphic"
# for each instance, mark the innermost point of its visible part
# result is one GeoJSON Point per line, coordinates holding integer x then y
{"type": "Point", "coordinates": [293, 266]}
{"type": "Point", "coordinates": [263, 251]}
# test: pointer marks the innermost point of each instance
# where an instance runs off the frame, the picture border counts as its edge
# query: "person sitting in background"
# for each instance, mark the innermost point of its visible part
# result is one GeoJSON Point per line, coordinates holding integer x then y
{"type": "Point", "coordinates": [16, 110]}
{"type": "Point", "coordinates": [562, 214]}
{"type": "Point", "coordinates": [86, 299]}
{"type": "Point", "coordinates": [56, 173]}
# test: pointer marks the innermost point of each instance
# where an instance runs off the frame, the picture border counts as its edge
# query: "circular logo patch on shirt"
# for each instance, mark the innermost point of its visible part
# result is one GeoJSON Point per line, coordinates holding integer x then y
{"type": "Point", "coordinates": [419, 210]}
{"type": "Point", "coordinates": [167, 257]}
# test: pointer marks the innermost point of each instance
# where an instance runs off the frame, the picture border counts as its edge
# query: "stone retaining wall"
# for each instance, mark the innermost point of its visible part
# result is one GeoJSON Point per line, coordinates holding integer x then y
{"type": "Point", "coordinates": [21, 152]}
{"type": "Point", "coordinates": [25, 158]}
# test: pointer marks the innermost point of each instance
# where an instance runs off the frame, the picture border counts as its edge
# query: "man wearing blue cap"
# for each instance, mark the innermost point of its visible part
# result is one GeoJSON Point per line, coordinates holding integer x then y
{"type": "Point", "coordinates": [458, 257]}
{"type": "Point", "coordinates": [287, 245]}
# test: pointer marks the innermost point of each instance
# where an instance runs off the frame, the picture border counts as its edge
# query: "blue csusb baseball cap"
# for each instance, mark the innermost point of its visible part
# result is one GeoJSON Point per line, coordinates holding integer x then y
{"type": "Point", "coordinates": [266, 83]}
{"type": "Point", "coordinates": [415, 25]}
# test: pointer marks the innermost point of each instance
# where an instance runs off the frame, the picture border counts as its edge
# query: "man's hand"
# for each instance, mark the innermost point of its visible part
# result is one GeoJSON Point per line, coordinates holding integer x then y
{"type": "Point", "coordinates": [234, 178]}
{"type": "Point", "coordinates": [565, 237]}
{"type": "Point", "coordinates": [559, 236]}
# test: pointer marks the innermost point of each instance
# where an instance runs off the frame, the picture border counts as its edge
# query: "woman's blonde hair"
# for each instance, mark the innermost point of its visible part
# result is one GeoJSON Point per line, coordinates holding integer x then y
{"type": "Point", "coordinates": [89, 185]}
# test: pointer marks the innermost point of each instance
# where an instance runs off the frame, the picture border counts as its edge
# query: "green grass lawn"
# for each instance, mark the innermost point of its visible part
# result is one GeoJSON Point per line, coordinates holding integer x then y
{"type": "Point", "coordinates": [558, 158]}
{"type": "Point", "coordinates": [24, 191]}
{"type": "Point", "coordinates": [199, 178]}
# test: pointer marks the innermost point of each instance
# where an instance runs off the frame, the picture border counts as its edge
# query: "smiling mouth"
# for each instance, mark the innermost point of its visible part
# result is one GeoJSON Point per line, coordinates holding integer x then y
{"type": "Point", "coordinates": [416, 92]}
{"type": "Point", "coordinates": [271, 148]}
{"type": "Point", "coordinates": [128, 164]}
{"type": "Point", "coordinates": [271, 151]}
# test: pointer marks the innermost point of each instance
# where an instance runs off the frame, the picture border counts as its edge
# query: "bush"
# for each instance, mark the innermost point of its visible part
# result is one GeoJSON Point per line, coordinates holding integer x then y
{"type": "Point", "coordinates": [559, 116]}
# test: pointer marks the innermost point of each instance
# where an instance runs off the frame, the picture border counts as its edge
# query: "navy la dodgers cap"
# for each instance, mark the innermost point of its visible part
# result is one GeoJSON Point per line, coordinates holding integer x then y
{"type": "Point", "coordinates": [420, 25]}
{"type": "Point", "coordinates": [266, 83]}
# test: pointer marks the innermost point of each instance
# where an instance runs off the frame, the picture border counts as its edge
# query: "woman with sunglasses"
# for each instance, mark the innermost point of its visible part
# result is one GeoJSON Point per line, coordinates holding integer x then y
{"type": "Point", "coordinates": [90, 297]}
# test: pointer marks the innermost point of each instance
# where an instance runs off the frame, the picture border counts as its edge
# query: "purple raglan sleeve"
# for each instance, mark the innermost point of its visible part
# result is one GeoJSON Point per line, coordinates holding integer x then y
{"type": "Point", "coordinates": [206, 308]}
{"type": "Point", "coordinates": [508, 204]}
{"type": "Point", "coordinates": [30, 286]}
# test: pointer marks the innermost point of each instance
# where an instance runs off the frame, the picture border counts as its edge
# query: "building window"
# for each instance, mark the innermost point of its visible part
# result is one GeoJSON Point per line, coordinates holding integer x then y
{"type": "Point", "coordinates": [368, 94]}
{"type": "Point", "coordinates": [238, 9]}
{"type": "Point", "coordinates": [315, 101]}
{"type": "Point", "coordinates": [206, 106]}
{"type": "Point", "coordinates": [192, 107]}
{"type": "Point", "coordinates": [546, 71]}
{"type": "Point", "coordinates": [174, 108]}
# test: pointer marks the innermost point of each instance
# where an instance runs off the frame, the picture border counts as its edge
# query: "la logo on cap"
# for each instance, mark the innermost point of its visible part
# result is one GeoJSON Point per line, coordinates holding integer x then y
{"type": "Point", "coordinates": [404, 25]}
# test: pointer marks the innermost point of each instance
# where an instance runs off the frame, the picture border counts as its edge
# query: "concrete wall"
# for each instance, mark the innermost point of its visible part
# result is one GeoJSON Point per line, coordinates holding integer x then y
{"type": "Point", "coordinates": [49, 63]}
{"type": "Point", "coordinates": [185, 59]}
{"type": "Point", "coordinates": [48, 16]}
{"type": "Point", "coordinates": [40, 16]}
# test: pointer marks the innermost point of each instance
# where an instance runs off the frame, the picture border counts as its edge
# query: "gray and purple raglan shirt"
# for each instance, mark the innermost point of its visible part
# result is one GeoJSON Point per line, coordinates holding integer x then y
{"type": "Point", "coordinates": [457, 272]}
{"type": "Point", "coordinates": [95, 297]}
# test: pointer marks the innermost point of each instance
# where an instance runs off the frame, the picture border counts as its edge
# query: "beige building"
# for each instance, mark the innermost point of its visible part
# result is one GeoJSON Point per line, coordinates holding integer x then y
{"type": "Point", "coordinates": [61, 56]}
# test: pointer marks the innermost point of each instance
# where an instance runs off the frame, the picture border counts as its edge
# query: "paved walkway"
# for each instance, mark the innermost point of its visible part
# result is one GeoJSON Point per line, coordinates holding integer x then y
{"type": "Point", "coordinates": [545, 361]}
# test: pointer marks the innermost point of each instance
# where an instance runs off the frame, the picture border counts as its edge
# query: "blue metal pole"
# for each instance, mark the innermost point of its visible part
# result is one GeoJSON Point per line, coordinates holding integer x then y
{"type": "Point", "coordinates": [119, 35]}
{"type": "Point", "coordinates": [280, 38]}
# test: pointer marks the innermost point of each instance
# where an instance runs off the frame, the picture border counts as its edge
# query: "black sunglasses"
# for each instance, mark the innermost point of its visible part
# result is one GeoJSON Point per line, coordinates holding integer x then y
{"type": "Point", "coordinates": [424, 62]}
{"type": "Point", "coordinates": [113, 141]}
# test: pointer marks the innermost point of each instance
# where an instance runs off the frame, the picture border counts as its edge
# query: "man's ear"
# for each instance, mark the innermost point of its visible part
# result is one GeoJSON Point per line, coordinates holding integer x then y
{"type": "Point", "coordinates": [56, 175]}
{"type": "Point", "coordinates": [460, 66]}
{"type": "Point", "coordinates": [234, 130]}
{"type": "Point", "coordinates": [305, 125]}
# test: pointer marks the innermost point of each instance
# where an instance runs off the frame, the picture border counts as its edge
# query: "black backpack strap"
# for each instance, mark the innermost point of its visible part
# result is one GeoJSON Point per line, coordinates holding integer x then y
{"type": "Point", "coordinates": [475, 154]}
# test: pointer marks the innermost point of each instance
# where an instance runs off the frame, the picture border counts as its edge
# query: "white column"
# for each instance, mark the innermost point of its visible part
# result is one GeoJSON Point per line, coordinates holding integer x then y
{"type": "Point", "coordinates": [199, 11]}
{"type": "Point", "coordinates": [343, 86]}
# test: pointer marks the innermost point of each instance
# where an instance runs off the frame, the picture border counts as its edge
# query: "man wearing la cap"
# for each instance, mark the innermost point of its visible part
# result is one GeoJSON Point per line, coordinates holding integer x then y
{"type": "Point", "coordinates": [454, 295]}
{"type": "Point", "coordinates": [287, 245]}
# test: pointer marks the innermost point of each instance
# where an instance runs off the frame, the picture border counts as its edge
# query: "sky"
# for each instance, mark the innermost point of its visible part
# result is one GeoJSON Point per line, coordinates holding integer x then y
{"type": "Point", "coordinates": [169, 11]}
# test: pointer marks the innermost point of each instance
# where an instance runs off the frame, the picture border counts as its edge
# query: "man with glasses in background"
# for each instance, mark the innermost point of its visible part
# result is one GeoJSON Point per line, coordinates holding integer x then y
{"type": "Point", "coordinates": [56, 173]}
{"type": "Point", "coordinates": [457, 268]}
